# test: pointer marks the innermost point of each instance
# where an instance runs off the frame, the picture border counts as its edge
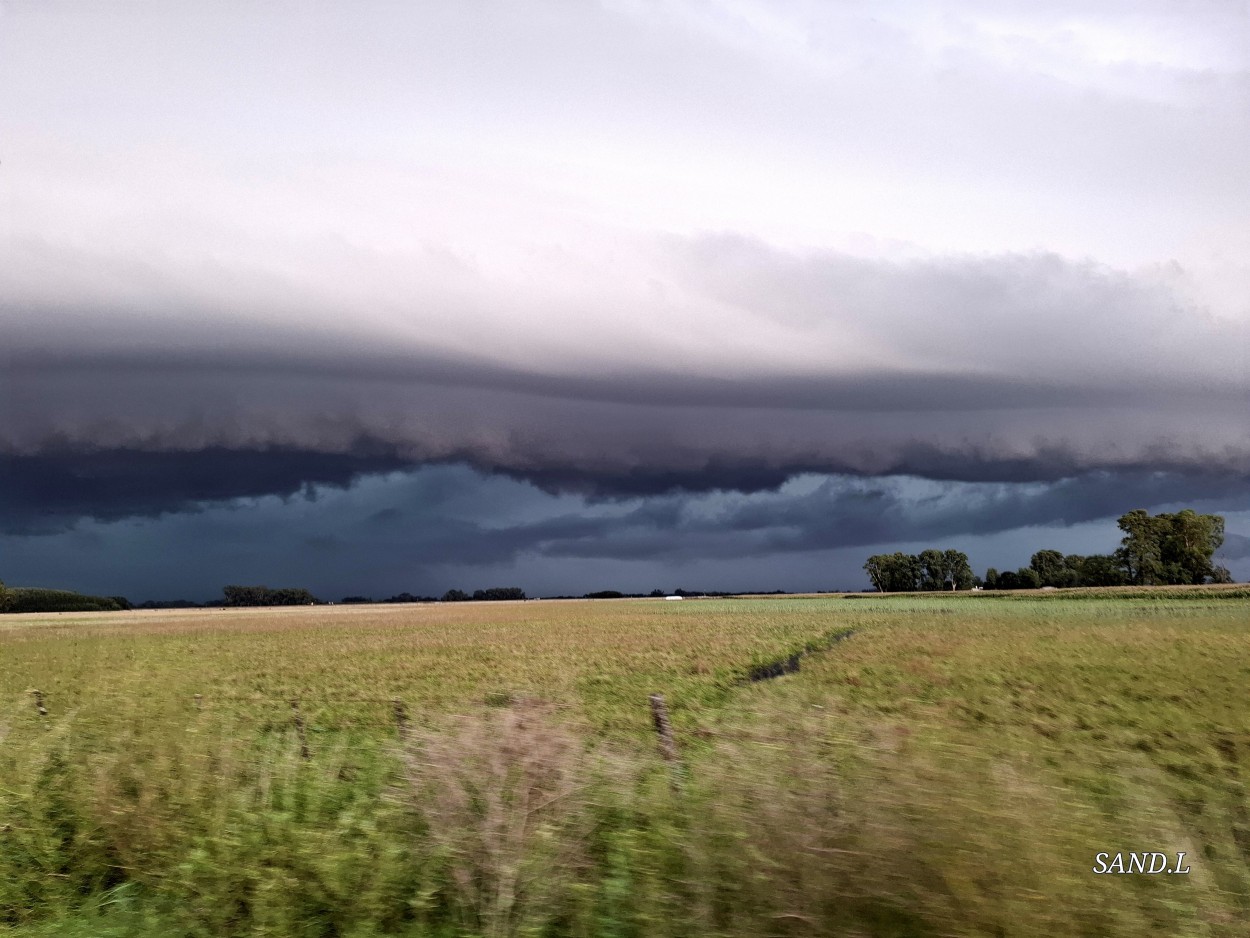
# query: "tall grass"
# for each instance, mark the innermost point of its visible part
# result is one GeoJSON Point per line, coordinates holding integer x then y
{"type": "Point", "coordinates": [951, 769]}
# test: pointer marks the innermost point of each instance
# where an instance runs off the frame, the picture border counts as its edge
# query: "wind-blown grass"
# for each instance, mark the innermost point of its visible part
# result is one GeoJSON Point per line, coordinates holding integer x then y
{"type": "Point", "coordinates": [953, 768]}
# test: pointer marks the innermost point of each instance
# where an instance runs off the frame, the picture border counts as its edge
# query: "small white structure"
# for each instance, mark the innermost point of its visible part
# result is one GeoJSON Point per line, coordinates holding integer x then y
{"type": "Point", "coordinates": [671, 598]}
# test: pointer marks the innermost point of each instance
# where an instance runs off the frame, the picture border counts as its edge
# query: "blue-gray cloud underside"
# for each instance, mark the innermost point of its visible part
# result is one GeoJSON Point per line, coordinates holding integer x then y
{"type": "Point", "coordinates": [1014, 368]}
{"type": "Point", "coordinates": [104, 443]}
{"type": "Point", "coordinates": [431, 528]}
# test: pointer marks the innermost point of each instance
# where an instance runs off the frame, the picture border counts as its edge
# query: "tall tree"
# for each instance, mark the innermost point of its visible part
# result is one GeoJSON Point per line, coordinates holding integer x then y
{"type": "Point", "coordinates": [876, 567]}
{"type": "Point", "coordinates": [1101, 570]}
{"type": "Point", "coordinates": [1189, 542]}
{"type": "Point", "coordinates": [894, 573]}
{"type": "Point", "coordinates": [958, 570]}
{"type": "Point", "coordinates": [1169, 548]}
{"type": "Point", "coordinates": [932, 569]}
{"type": "Point", "coordinates": [1049, 566]}
{"type": "Point", "coordinates": [1140, 550]}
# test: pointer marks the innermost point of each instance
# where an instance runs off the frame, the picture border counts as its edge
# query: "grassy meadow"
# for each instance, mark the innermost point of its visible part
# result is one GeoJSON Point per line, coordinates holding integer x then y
{"type": "Point", "coordinates": [950, 768]}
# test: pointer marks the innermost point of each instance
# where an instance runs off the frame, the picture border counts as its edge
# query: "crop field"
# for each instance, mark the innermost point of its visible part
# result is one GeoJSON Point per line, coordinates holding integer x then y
{"type": "Point", "coordinates": [936, 765]}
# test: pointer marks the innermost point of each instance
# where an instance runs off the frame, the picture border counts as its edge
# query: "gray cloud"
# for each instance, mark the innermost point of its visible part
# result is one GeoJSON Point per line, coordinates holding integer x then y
{"type": "Point", "coordinates": [1236, 547]}
{"type": "Point", "coordinates": [50, 491]}
{"type": "Point", "coordinates": [433, 528]}
{"type": "Point", "coordinates": [635, 256]}
{"type": "Point", "coordinates": [1010, 368]}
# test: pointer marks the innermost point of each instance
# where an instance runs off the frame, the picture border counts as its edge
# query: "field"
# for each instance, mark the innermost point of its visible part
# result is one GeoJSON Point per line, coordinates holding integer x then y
{"type": "Point", "coordinates": [938, 765]}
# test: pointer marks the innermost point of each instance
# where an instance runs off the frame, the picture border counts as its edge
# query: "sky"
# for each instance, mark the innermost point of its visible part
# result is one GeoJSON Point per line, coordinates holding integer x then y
{"type": "Point", "coordinates": [380, 297]}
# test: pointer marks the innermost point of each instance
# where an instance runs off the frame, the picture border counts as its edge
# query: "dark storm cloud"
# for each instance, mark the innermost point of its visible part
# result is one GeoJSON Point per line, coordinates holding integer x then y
{"type": "Point", "coordinates": [432, 528]}
{"type": "Point", "coordinates": [1010, 368]}
{"type": "Point", "coordinates": [843, 512]}
{"type": "Point", "coordinates": [1236, 546]}
{"type": "Point", "coordinates": [49, 491]}
{"type": "Point", "coordinates": [614, 280]}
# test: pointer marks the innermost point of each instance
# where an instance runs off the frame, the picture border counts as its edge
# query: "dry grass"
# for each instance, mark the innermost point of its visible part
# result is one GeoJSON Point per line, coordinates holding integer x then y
{"type": "Point", "coordinates": [951, 770]}
{"type": "Point", "coordinates": [498, 793]}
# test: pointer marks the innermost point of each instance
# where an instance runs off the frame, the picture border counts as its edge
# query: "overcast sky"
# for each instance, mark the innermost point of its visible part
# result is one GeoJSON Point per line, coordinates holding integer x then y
{"type": "Point", "coordinates": [376, 297]}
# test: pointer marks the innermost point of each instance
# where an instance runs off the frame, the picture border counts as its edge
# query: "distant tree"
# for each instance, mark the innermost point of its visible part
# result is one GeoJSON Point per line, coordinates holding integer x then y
{"type": "Point", "coordinates": [1076, 565]}
{"type": "Point", "coordinates": [1049, 567]}
{"type": "Point", "coordinates": [6, 597]}
{"type": "Point", "coordinates": [876, 567]}
{"type": "Point", "coordinates": [455, 596]}
{"type": "Point", "coordinates": [245, 595]}
{"type": "Point", "coordinates": [1054, 569]}
{"type": "Point", "coordinates": [1025, 578]}
{"type": "Point", "coordinates": [1169, 548]}
{"type": "Point", "coordinates": [894, 573]}
{"type": "Point", "coordinates": [932, 570]}
{"type": "Point", "coordinates": [496, 593]}
{"type": "Point", "coordinates": [1221, 575]}
{"type": "Point", "coordinates": [1028, 579]}
{"type": "Point", "coordinates": [122, 602]}
{"type": "Point", "coordinates": [991, 579]}
{"type": "Point", "coordinates": [49, 600]}
{"type": "Point", "coordinates": [407, 597]}
{"type": "Point", "coordinates": [290, 596]}
{"type": "Point", "coordinates": [1190, 540]}
{"type": "Point", "coordinates": [656, 594]}
{"type": "Point", "coordinates": [1101, 570]}
{"type": "Point", "coordinates": [1140, 549]}
{"type": "Point", "coordinates": [355, 600]}
{"type": "Point", "coordinates": [264, 596]}
{"type": "Point", "coordinates": [606, 594]}
{"type": "Point", "coordinates": [958, 571]}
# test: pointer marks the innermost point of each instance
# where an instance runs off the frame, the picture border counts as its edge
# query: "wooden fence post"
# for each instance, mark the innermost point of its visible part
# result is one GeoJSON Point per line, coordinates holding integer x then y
{"type": "Point", "coordinates": [663, 728]}
{"type": "Point", "coordinates": [199, 702]}
{"type": "Point", "coordinates": [38, 695]}
{"type": "Point", "coordinates": [401, 717]}
{"type": "Point", "coordinates": [299, 728]}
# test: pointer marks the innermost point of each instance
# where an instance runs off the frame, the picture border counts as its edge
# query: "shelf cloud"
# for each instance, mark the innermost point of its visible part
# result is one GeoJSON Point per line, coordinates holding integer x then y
{"type": "Point", "coordinates": [635, 255]}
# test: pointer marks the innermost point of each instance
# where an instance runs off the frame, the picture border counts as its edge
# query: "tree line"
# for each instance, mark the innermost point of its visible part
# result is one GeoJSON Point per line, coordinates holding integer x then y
{"type": "Point", "coordinates": [929, 570]}
{"type": "Point", "coordinates": [494, 594]}
{"type": "Point", "coordinates": [263, 596]}
{"type": "Point", "coordinates": [1156, 550]}
{"type": "Point", "coordinates": [33, 599]}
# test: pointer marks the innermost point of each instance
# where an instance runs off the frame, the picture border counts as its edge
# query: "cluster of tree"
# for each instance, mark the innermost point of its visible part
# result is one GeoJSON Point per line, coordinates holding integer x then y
{"type": "Point", "coordinates": [26, 599]}
{"type": "Point", "coordinates": [1171, 548]}
{"type": "Point", "coordinates": [495, 593]}
{"type": "Point", "coordinates": [1049, 568]}
{"type": "Point", "coordinates": [929, 570]}
{"type": "Point", "coordinates": [1156, 550]}
{"type": "Point", "coordinates": [264, 596]}
{"type": "Point", "coordinates": [397, 598]}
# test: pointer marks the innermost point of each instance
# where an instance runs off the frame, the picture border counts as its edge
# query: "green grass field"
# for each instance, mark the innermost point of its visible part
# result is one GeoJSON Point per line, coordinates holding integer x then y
{"type": "Point", "coordinates": [951, 768]}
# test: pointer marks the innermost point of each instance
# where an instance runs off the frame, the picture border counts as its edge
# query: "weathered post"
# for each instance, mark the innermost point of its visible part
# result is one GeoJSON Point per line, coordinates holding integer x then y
{"type": "Point", "coordinates": [38, 695]}
{"type": "Point", "coordinates": [199, 702]}
{"type": "Point", "coordinates": [663, 728]}
{"type": "Point", "coordinates": [299, 728]}
{"type": "Point", "coordinates": [401, 718]}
